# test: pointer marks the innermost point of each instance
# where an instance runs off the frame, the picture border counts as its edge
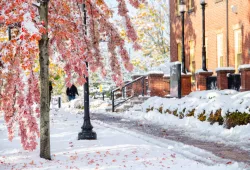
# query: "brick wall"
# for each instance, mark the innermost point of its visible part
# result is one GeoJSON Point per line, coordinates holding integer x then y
{"type": "Point", "coordinates": [160, 86]}
{"type": "Point", "coordinates": [222, 79]}
{"type": "Point", "coordinates": [137, 86]}
{"type": "Point", "coordinates": [166, 81]}
{"type": "Point", "coordinates": [245, 79]}
{"type": "Point", "coordinates": [185, 84]}
{"type": "Point", "coordinates": [215, 23]}
{"type": "Point", "coordinates": [156, 84]}
{"type": "Point", "coordinates": [201, 80]}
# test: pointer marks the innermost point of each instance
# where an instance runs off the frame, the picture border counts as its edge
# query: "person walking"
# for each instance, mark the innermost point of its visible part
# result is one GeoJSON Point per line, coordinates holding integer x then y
{"type": "Point", "coordinates": [50, 90]}
{"type": "Point", "coordinates": [71, 92]}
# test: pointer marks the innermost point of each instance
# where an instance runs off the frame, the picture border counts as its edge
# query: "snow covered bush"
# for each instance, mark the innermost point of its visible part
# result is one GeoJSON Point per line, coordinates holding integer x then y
{"type": "Point", "coordinates": [94, 103]}
{"type": "Point", "coordinates": [227, 107]}
{"type": "Point", "coordinates": [77, 103]}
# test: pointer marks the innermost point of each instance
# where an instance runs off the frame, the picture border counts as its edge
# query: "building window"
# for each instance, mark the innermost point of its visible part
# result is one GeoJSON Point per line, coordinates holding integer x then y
{"type": "Point", "coordinates": [190, 5]}
{"type": "Point", "coordinates": [220, 49]}
{"type": "Point", "coordinates": [206, 45]}
{"type": "Point", "coordinates": [192, 60]}
{"type": "Point", "coordinates": [179, 48]}
{"type": "Point", "coordinates": [177, 7]}
{"type": "Point", "coordinates": [238, 48]}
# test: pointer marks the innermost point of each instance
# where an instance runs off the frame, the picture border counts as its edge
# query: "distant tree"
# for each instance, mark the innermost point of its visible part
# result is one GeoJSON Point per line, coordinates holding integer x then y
{"type": "Point", "coordinates": [152, 25]}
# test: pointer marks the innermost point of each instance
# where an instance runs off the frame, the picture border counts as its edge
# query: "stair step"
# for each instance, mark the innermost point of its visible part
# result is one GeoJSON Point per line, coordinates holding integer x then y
{"type": "Point", "coordinates": [144, 97]}
{"type": "Point", "coordinates": [136, 102]}
{"type": "Point", "coordinates": [120, 110]}
{"type": "Point", "coordinates": [137, 109]}
{"type": "Point", "coordinates": [127, 106]}
{"type": "Point", "coordinates": [109, 109]}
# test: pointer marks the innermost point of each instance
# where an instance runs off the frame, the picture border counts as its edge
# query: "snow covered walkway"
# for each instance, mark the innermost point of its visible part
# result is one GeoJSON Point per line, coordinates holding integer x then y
{"type": "Point", "coordinates": [222, 150]}
{"type": "Point", "coordinates": [115, 149]}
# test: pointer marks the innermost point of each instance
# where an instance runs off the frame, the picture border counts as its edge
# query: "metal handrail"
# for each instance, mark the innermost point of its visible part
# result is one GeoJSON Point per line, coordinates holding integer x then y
{"type": "Point", "coordinates": [127, 84]}
{"type": "Point", "coordinates": [122, 89]}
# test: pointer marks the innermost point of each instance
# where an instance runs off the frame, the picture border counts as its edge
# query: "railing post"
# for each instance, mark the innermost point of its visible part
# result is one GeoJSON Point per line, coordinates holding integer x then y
{"type": "Point", "coordinates": [143, 80]}
{"type": "Point", "coordinates": [113, 101]}
{"type": "Point", "coordinates": [59, 102]}
{"type": "Point", "coordinates": [111, 95]}
{"type": "Point", "coordinates": [123, 92]}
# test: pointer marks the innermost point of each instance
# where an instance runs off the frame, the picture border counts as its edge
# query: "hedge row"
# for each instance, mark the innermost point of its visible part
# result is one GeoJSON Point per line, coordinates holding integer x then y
{"type": "Point", "coordinates": [231, 119]}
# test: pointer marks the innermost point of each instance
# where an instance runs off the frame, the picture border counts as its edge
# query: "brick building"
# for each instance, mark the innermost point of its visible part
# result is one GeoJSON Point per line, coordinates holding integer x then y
{"type": "Point", "coordinates": [227, 33]}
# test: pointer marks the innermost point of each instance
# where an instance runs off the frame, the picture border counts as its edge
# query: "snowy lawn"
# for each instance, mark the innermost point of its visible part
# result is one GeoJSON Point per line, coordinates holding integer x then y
{"type": "Point", "coordinates": [115, 149]}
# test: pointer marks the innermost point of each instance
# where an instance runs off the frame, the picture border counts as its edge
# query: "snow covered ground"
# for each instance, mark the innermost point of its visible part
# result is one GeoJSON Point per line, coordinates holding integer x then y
{"type": "Point", "coordinates": [227, 100]}
{"type": "Point", "coordinates": [115, 149]}
{"type": "Point", "coordinates": [204, 131]}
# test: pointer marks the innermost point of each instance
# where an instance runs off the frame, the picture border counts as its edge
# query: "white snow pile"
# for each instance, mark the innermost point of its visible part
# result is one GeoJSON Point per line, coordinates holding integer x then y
{"type": "Point", "coordinates": [225, 69]}
{"type": "Point", "coordinates": [94, 104]}
{"type": "Point", "coordinates": [203, 102]}
{"type": "Point", "coordinates": [244, 66]}
{"type": "Point", "coordinates": [162, 69]}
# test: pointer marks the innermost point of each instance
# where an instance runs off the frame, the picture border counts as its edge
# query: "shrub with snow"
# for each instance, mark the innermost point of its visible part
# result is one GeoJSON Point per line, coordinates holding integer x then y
{"type": "Point", "coordinates": [227, 107]}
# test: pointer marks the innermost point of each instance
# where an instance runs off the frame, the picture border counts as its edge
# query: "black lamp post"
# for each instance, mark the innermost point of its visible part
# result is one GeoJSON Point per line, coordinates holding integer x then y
{"type": "Point", "coordinates": [182, 8]}
{"type": "Point", "coordinates": [9, 33]}
{"type": "Point", "coordinates": [204, 64]}
{"type": "Point", "coordinates": [87, 132]}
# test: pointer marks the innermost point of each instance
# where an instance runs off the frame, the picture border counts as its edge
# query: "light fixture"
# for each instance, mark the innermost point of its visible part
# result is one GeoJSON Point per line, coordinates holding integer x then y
{"type": "Point", "coordinates": [182, 7]}
{"type": "Point", "coordinates": [203, 2]}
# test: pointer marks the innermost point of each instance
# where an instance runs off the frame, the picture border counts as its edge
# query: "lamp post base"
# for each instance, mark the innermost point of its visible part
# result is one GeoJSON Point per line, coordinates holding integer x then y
{"type": "Point", "coordinates": [87, 135]}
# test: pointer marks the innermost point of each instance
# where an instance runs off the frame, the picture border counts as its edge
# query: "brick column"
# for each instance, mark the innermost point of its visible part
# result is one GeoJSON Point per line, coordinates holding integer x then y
{"type": "Point", "coordinates": [185, 84]}
{"type": "Point", "coordinates": [201, 79]}
{"type": "Point", "coordinates": [156, 84]}
{"type": "Point", "coordinates": [166, 81]}
{"type": "Point", "coordinates": [137, 86]}
{"type": "Point", "coordinates": [222, 80]}
{"type": "Point", "coordinates": [245, 77]}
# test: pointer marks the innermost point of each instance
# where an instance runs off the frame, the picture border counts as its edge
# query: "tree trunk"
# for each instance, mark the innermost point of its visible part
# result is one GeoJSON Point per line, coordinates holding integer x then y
{"type": "Point", "coordinates": [44, 85]}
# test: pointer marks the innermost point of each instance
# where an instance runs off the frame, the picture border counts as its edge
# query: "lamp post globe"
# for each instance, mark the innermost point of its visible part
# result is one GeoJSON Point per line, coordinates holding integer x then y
{"type": "Point", "coordinates": [182, 7]}
{"type": "Point", "coordinates": [203, 2]}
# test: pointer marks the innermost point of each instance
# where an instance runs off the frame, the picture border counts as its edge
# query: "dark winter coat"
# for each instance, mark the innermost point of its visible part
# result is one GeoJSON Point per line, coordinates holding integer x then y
{"type": "Point", "coordinates": [50, 90]}
{"type": "Point", "coordinates": [72, 91]}
{"type": "Point", "coordinates": [50, 87]}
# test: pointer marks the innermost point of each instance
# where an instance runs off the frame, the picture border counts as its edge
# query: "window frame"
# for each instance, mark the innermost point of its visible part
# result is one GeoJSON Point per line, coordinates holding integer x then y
{"type": "Point", "coordinates": [179, 52]}
{"type": "Point", "coordinates": [190, 6]}
{"type": "Point", "coordinates": [177, 10]}
{"type": "Point", "coordinates": [220, 49]}
{"type": "Point", "coordinates": [238, 47]}
{"type": "Point", "coordinates": [206, 45]}
{"type": "Point", "coordinates": [192, 59]}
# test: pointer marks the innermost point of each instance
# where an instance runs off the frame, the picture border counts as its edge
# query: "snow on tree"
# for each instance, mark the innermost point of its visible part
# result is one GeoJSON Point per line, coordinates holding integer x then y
{"type": "Point", "coordinates": [47, 28]}
{"type": "Point", "coordinates": [152, 26]}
